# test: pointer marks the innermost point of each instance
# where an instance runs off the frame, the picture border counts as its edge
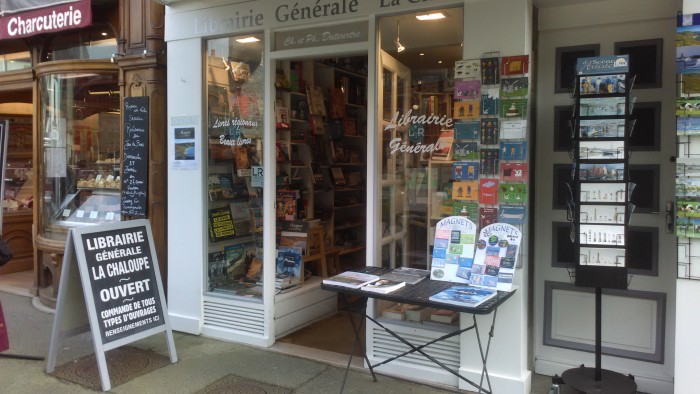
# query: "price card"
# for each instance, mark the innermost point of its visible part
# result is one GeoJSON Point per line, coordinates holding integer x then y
{"type": "Point", "coordinates": [66, 213]}
{"type": "Point", "coordinates": [98, 177]}
{"type": "Point", "coordinates": [110, 178]}
{"type": "Point", "coordinates": [109, 216]}
{"type": "Point", "coordinates": [93, 215]}
{"type": "Point", "coordinates": [79, 213]}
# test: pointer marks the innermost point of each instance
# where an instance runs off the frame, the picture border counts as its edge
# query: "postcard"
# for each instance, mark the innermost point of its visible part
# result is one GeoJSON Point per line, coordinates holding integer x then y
{"type": "Point", "coordinates": [466, 109]}
{"type": "Point", "coordinates": [467, 130]}
{"type": "Point", "coordinates": [469, 90]}
{"type": "Point", "coordinates": [468, 69]}
{"type": "Point", "coordinates": [514, 65]}
{"type": "Point", "coordinates": [514, 87]}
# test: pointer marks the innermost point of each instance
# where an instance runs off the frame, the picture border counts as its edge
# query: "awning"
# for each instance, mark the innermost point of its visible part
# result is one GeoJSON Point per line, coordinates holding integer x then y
{"type": "Point", "coordinates": [25, 18]}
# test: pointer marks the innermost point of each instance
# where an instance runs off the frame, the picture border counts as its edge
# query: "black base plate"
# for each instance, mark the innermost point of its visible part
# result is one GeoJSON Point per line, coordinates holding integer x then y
{"type": "Point", "coordinates": [583, 379]}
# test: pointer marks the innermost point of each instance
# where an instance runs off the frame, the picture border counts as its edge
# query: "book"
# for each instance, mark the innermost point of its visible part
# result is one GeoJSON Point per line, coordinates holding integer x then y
{"type": "Point", "coordinates": [289, 267]}
{"type": "Point", "coordinates": [294, 233]}
{"type": "Point", "coordinates": [443, 149]}
{"type": "Point", "coordinates": [338, 177]}
{"type": "Point", "coordinates": [464, 295]}
{"type": "Point", "coordinates": [240, 260]}
{"type": "Point", "coordinates": [287, 201]}
{"type": "Point", "coordinates": [419, 314]}
{"type": "Point", "coordinates": [337, 99]}
{"type": "Point", "coordinates": [398, 311]}
{"type": "Point", "coordinates": [316, 104]}
{"type": "Point", "coordinates": [221, 224]}
{"type": "Point", "coordinates": [407, 275]}
{"type": "Point", "coordinates": [350, 279]}
{"type": "Point", "coordinates": [444, 316]}
{"type": "Point", "coordinates": [217, 270]}
{"type": "Point", "coordinates": [214, 187]}
{"type": "Point", "coordinates": [383, 286]}
{"type": "Point", "coordinates": [317, 175]}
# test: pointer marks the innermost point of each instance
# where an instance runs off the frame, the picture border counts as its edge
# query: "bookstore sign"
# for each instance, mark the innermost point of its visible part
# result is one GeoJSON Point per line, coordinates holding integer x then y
{"type": "Point", "coordinates": [320, 36]}
{"type": "Point", "coordinates": [116, 289]}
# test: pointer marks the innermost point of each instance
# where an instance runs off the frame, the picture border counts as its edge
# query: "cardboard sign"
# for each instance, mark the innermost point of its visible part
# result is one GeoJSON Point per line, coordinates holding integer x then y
{"type": "Point", "coordinates": [117, 289]}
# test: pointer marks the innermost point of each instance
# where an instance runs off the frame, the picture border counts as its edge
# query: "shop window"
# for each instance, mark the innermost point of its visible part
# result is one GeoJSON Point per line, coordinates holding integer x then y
{"type": "Point", "coordinates": [80, 168]}
{"type": "Point", "coordinates": [234, 77]}
{"type": "Point", "coordinates": [645, 61]}
{"type": "Point", "coordinates": [95, 42]}
{"type": "Point", "coordinates": [646, 133]}
{"type": "Point", "coordinates": [566, 64]}
{"type": "Point", "coordinates": [14, 56]}
{"type": "Point", "coordinates": [563, 116]}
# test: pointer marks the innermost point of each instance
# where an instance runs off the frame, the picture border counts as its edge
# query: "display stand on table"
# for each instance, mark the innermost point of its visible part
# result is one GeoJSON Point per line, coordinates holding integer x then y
{"type": "Point", "coordinates": [598, 207]}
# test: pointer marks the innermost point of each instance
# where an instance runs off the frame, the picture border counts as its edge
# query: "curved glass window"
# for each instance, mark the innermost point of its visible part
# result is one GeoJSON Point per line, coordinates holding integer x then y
{"type": "Point", "coordinates": [80, 165]}
{"type": "Point", "coordinates": [96, 42]}
{"type": "Point", "coordinates": [14, 56]}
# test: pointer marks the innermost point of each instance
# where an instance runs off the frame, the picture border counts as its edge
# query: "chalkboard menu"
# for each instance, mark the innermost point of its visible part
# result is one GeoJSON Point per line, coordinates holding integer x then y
{"type": "Point", "coordinates": [122, 276]}
{"type": "Point", "coordinates": [134, 196]}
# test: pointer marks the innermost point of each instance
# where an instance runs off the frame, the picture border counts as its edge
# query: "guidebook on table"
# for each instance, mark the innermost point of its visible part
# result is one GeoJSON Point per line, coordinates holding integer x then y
{"type": "Point", "coordinates": [464, 295]}
{"type": "Point", "coordinates": [383, 286]}
{"type": "Point", "coordinates": [350, 279]}
{"type": "Point", "coordinates": [410, 276]}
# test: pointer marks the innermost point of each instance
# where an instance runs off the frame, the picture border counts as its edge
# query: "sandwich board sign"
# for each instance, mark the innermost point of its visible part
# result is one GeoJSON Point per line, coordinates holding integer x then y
{"type": "Point", "coordinates": [116, 291]}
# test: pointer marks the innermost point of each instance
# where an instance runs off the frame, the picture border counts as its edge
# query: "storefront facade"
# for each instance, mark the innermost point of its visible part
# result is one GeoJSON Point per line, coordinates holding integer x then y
{"type": "Point", "coordinates": [227, 99]}
{"type": "Point", "coordinates": [66, 68]}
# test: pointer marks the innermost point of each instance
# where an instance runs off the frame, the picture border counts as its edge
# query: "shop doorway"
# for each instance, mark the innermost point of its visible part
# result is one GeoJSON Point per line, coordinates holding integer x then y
{"type": "Point", "coordinates": [321, 140]}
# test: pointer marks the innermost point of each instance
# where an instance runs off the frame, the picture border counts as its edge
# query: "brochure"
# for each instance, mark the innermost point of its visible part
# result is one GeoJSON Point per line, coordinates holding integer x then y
{"type": "Point", "coordinates": [383, 286]}
{"type": "Point", "coordinates": [468, 296]}
{"type": "Point", "coordinates": [410, 276]}
{"type": "Point", "coordinates": [351, 279]}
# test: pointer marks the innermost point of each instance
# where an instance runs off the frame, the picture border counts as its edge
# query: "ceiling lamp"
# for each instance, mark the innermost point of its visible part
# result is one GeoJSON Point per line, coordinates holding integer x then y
{"type": "Point", "coordinates": [247, 40]}
{"type": "Point", "coordinates": [430, 17]}
{"type": "Point", "coordinates": [399, 48]}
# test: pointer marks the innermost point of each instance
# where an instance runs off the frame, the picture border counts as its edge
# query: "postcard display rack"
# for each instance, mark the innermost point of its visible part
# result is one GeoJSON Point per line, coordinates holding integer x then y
{"type": "Point", "coordinates": [687, 212]}
{"type": "Point", "coordinates": [599, 208]}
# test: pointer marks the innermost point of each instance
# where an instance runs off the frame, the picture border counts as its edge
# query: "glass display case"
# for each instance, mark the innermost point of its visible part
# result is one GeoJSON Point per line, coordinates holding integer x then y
{"type": "Point", "coordinates": [80, 169]}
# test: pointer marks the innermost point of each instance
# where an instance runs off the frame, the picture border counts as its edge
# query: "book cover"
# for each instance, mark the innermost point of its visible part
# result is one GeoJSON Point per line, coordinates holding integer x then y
{"type": "Point", "coordinates": [513, 129]}
{"type": "Point", "coordinates": [513, 151]}
{"type": "Point", "coordinates": [282, 151]}
{"type": "Point", "coordinates": [444, 316]}
{"type": "Point", "coordinates": [469, 109]}
{"type": "Point", "coordinates": [467, 130]}
{"type": "Point", "coordinates": [294, 233]}
{"type": "Point", "coordinates": [512, 193]}
{"type": "Point", "coordinates": [350, 279]}
{"type": "Point", "coordinates": [221, 224]}
{"type": "Point", "coordinates": [289, 265]}
{"type": "Point", "coordinates": [465, 190]}
{"type": "Point", "coordinates": [242, 262]}
{"type": "Point", "coordinates": [514, 172]}
{"type": "Point", "coordinates": [488, 161]}
{"type": "Point", "coordinates": [468, 209]}
{"type": "Point", "coordinates": [314, 95]}
{"type": "Point", "coordinates": [468, 296]}
{"type": "Point", "coordinates": [216, 265]}
{"type": "Point", "coordinates": [338, 152]}
{"type": "Point", "coordinates": [490, 101]}
{"type": "Point", "coordinates": [214, 187]}
{"type": "Point", "coordinates": [410, 276]}
{"type": "Point", "coordinates": [383, 286]}
{"type": "Point", "coordinates": [465, 170]}
{"type": "Point", "coordinates": [256, 219]}
{"type": "Point", "coordinates": [488, 191]}
{"type": "Point", "coordinates": [287, 204]}
{"type": "Point", "coordinates": [337, 99]}
{"type": "Point", "coordinates": [489, 131]}
{"type": "Point", "coordinates": [512, 214]}
{"type": "Point", "coordinates": [489, 71]}
{"type": "Point", "coordinates": [419, 314]}
{"type": "Point", "coordinates": [513, 108]}
{"type": "Point", "coordinates": [514, 65]}
{"type": "Point", "coordinates": [239, 210]}
{"type": "Point", "coordinates": [468, 69]}
{"type": "Point", "coordinates": [338, 176]}
{"type": "Point", "coordinates": [443, 149]}
{"type": "Point", "coordinates": [514, 87]}
{"type": "Point", "coordinates": [282, 115]}
{"type": "Point", "coordinates": [242, 160]}
{"type": "Point", "coordinates": [469, 90]}
{"type": "Point", "coordinates": [465, 150]}
{"type": "Point", "coordinates": [487, 215]}
{"type": "Point", "coordinates": [317, 175]}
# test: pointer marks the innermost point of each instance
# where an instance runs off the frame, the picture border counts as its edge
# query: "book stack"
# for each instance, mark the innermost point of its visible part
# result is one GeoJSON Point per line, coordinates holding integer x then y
{"type": "Point", "coordinates": [398, 311]}
{"type": "Point", "coordinates": [419, 314]}
{"type": "Point", "coordinates": [350, 279]}
{"type": "Point", "coordinates": [445, 316]}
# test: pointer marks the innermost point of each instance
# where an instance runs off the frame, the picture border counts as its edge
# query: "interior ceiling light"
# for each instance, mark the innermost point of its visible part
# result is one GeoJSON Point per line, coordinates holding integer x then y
{"type": "Point", "coordinates": [421, 54]}
{"type": "Point", "coordinates": [399, 48]}
{"type": "Point", "coordinates": [431, 16]}
{"type": "Point", "coordinates": [247, 40]}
